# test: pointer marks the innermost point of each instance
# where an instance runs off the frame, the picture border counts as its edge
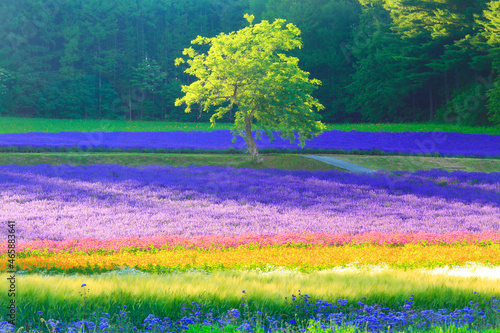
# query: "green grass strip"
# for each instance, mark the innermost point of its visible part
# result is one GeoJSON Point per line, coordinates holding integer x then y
{"type": "Point", "coordinates": [314, 327]}
{"type": "Point", "coordinates": [24, 125]}
{"type": "Point", "coordinates": [163, 295]}
{"type": "Point", "coordinates": [415, 163]}
{"type": "Point", "coordinates": [276, 161]}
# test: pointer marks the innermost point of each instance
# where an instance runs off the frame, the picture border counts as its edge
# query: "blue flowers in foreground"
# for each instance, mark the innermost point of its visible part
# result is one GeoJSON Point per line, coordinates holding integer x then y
{"type": "Point", "coordinates": [322, 314]}
{"type": "Point", "coordinates": [414, 143]}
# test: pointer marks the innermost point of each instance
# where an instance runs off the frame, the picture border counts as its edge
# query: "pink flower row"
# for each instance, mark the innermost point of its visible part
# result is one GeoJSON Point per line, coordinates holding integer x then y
{"type": "Point", "coordinates": [221, 242]}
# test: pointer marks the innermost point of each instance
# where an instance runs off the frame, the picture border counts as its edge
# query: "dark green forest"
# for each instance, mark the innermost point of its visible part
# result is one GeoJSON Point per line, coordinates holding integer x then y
{"type": "Point", "coordinates": [378, 60]}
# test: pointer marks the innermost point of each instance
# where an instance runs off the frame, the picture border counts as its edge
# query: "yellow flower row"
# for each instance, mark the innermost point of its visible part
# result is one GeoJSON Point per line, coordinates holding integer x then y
{"type": "Point", "coordinates": [410, 256]}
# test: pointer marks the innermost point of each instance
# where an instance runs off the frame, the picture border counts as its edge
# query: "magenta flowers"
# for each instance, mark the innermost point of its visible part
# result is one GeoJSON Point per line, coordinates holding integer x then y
{"type": "Point", "coordinates": [252, 240]}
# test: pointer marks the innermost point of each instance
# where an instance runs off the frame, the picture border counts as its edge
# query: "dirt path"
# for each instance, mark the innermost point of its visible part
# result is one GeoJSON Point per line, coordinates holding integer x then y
{"type": "Point", "coordinates": [341, 164]}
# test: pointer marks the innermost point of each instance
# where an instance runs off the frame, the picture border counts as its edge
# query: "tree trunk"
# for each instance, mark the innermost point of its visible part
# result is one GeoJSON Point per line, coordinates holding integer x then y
{"type": "Point", "coordinates": [447, 88]}
{"type": "Point", "coordinates": [413, 107]}
{"type": "Point", "coordinates": [114, 66]}
{"type": "Point", "coordinates": [129, 105]}
{"type": "Point", "coordinates": [252, 147]}
{"type": "Point", "coordinates": [100, 96]}
{"type": "Point", "coordinates": [431, 110]}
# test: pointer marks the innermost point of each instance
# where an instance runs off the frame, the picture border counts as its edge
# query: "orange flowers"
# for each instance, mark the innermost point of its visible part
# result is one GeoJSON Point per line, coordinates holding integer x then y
{"type": "Point", "coordinates": [316, 257]}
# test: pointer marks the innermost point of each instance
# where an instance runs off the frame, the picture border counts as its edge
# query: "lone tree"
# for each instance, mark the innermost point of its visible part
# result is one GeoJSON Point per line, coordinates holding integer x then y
{"type": "Point", "coordinates": [245, 71]}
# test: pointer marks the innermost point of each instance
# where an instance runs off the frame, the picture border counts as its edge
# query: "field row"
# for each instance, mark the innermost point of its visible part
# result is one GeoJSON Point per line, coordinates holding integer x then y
{"type": "Point", "coordinates": [53, 202]}
{"type": "Point", "coordinates": [273, 298]}
{"type": "Point", "coordinates": [305, 259]}
{"type": "Point", "coordinates": [410, 143]}
{"type": "Point", "coordinates": [250, 241]}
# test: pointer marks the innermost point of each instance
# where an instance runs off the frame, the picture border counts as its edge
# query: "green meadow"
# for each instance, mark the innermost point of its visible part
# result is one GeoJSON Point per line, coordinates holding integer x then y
{"type": "Point", "coordinates": [25, 125]}
{"type": "Point", "coordinates": [271, 291]}
{"type": "Point", "coordinates": [276, 161]}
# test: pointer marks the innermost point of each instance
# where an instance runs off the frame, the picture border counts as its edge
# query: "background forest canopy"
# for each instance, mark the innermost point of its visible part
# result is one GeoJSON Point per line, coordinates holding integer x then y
{"type": "Point", "coordinates": [378, 60]}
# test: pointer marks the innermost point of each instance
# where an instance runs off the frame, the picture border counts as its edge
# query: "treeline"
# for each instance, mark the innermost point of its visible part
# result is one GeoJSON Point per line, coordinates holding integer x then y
{"type": "Point", "coordinates": [379, 60]}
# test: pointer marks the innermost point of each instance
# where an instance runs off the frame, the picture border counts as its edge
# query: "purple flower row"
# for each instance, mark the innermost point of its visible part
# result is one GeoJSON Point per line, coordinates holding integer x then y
{"type": "Point", "coordinates": [106, 201]}
{"type": "Point", "coordinates": [318, 314]}
{"type": "Point", "coordinates": [446, 144]}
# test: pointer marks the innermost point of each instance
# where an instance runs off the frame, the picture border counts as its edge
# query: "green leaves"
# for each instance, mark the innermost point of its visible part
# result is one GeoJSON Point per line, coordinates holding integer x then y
{"type": "Point", "coordinates": [492, 23]}
{"type": "Point", "coordinates": [247, 71]}
{"type": "Point", "coordinates": [249, 18]}
{"type": "Point", "coordinates": [5, 77]}
{"type": "Point", "coordinates": [494, 103]}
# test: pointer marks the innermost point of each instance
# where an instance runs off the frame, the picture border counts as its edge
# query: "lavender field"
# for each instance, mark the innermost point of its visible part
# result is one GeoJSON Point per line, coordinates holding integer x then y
{"type": "Point", "coordinates": [106, 201]}
{"type": "Point", "coordinates": [445, 144]}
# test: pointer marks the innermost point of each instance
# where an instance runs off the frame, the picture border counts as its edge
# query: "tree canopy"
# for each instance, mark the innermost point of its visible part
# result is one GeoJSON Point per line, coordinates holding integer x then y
{"type": "Point", "coordinates": [378, 60]}
{"type": "Point", "coordinates": [246, 71]}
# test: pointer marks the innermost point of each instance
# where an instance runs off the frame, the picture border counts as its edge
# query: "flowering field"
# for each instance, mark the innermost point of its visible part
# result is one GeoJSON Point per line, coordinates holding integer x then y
{"type": "Point", "coordinates": [418, 143]}
{"type": "Point", "coordinates": [96, 219]}
{"type": "Point", "coordinates": [305, 258]}
{"type": "Point", "coordinates": [102, 201]}
{"type": "Point", "coordinates": [162, 218]}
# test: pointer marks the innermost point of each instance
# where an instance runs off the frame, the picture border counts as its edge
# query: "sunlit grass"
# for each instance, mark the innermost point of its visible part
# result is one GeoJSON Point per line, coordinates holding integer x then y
{"type": "Point", "coordinates": [276, 161]}
{"type": "Point", "coordinates": [314, 327]}
{"type": "Point", "coordinates": [415, 127]}
{"type": "Point", "coordinates": [415, 163]}
{"type": "Point", "coordinates": [163, 295]}
{"type": "Point", "coordinates": [24, 125]}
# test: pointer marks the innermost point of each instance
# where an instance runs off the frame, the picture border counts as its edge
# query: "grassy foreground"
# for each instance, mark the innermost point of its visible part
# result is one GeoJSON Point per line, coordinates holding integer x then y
{"type": "Point", "coordinates": [276, 161]}
{"type": "Point", "coordinates": [24, 125]}
{"type": "Point", "coordinates": [415, 163]}
{"type": "Point", "coordinates": [314, 327]}
{"type": "Point", "coordinates": [67, 298]}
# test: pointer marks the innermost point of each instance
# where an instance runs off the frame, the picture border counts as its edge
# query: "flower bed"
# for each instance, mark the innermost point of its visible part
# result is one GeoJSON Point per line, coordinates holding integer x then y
{"type": "Point", "coordinates": [250, 241]}
{"type": "Point", "coordinates": [310, 316]}
{"type": "Point", "coordinates": [304, 259]}
{"type": "Point", "coordinates": [105, 201]}
{"type": "Point", "coordinates": [413, 143]}
{"type": "Point", "coordinates": [161, 219]}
